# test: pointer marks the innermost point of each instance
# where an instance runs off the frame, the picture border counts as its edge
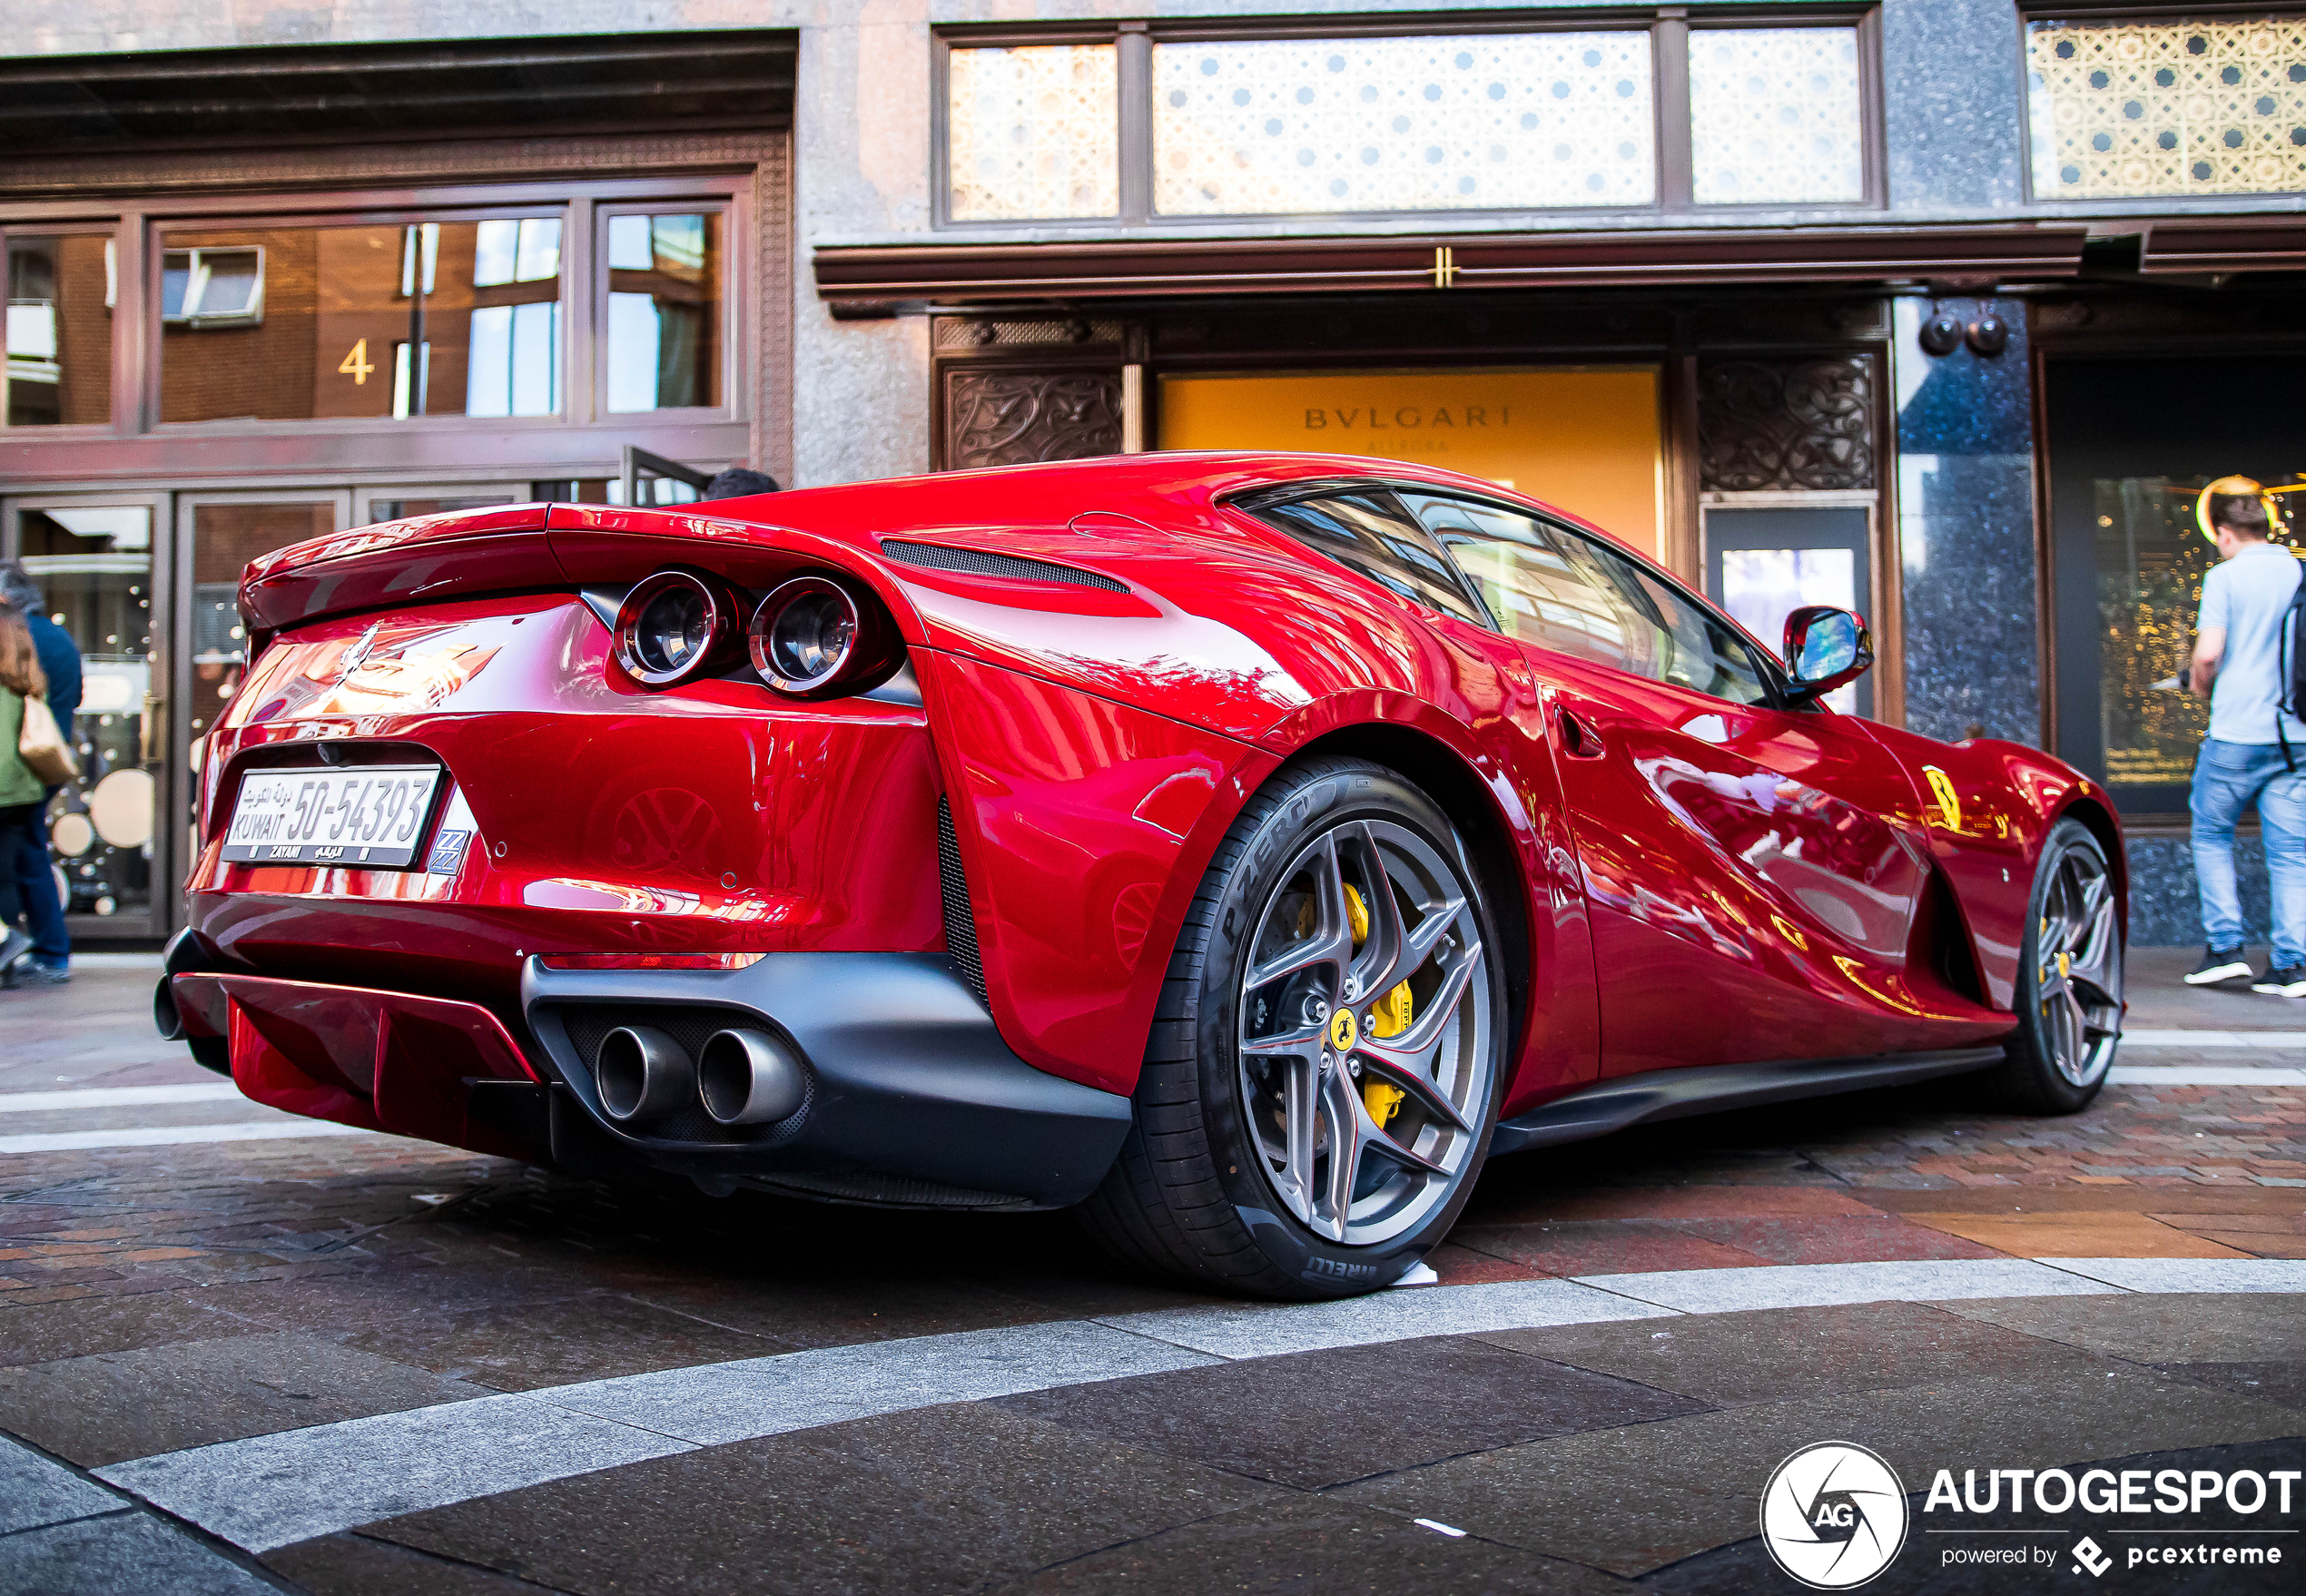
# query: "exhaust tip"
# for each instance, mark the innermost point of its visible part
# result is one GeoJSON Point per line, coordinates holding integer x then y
{"type": "Point", "coordinates": [749, 1078]}
{"type": "Point", "coordinates": [166, 1019]}
{"type": "Point", "coordinates": [640, 1073]}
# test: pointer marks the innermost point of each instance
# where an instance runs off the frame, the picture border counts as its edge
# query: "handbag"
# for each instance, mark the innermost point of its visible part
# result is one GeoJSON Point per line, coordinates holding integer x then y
{"type": "Point", "coordinates": [42, 746]}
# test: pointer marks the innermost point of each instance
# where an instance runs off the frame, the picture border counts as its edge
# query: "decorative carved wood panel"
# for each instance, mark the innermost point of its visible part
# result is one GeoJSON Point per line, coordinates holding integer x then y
{"type": "Point", "coordinates": [1784, 426]}
{"type": "Point", "coordinates": [1001, 416]}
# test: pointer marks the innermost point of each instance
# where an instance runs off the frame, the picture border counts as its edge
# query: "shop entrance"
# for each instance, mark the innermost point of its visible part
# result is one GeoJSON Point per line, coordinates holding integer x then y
{"type": "Point", "coordinates": [2132, 443]}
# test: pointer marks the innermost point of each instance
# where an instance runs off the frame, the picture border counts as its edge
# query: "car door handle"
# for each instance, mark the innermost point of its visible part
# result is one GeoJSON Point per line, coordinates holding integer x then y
{"type": "Point", "coordinates": [1579, 741]}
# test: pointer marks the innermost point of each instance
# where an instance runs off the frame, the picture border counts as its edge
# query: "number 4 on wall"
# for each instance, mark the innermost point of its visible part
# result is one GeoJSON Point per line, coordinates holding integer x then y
{"type": "Point", "coordinates": [356, 365]}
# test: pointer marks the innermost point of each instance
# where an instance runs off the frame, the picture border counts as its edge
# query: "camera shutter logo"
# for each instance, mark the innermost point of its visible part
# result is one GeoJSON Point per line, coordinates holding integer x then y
{"type": "Point", "coordinates": [1833, 1515]}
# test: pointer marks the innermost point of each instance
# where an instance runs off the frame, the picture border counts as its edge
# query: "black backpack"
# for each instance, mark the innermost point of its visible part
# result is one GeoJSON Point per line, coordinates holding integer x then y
{"type": "Point", "coordinates": [2292, 675]}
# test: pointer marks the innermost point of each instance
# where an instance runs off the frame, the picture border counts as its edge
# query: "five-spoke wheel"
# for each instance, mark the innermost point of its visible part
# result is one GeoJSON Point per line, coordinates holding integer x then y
{"type": "Point", "coordinates": [1326, 1061]}
{"type": "Point", "coordinates": [2069, 999]}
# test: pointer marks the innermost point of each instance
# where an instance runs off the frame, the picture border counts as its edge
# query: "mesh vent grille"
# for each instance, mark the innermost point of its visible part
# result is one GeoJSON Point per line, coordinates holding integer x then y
{"type": "Point", "coordinates": [977, 563]}
{"type": "Point", "coordinates": [960, 925]}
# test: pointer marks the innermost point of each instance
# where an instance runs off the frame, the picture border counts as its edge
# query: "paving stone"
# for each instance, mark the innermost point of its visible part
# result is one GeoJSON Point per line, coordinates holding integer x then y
{"type": "Point", "coordinates": [126, 1552]}
{"type": "Point", "coordinates": [1603, 1247]}
{"type": "Point", "coordinates": [2283, 1382]}
{"type": "Point", "coordinates": [359, 1565]}
{"type": "Point", "coordinates": [1668, 1202]}
{"type": "Point", "coordinates": [42, 1332]}
{"type": "Point", "coordinates": [1638, 1497]}
{"type": "Point", "coordinates": [34, 1490]}
{"type": "Point", "coordinates": [523, 1346]}
{"type": "Point", "coordinates": [1319, 1418]}
{"type": "Point", "coordinates": [941, 1499]}
{"type": "Point", "coordinates": [2070, 1233]}
{"type": "Point", "coordinates": [1774, 1355]}
{"type": "Point", "coordinates": [2236, 1327]}
{"type": "Point", "coordinates": [1311, 1545]}
{"type": "Point", "coordinates": [112, 1406]}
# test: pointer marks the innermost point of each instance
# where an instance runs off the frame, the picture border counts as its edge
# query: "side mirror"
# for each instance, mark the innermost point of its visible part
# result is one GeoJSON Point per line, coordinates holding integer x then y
{"type": "Point", "coordinates": [1824, 647]}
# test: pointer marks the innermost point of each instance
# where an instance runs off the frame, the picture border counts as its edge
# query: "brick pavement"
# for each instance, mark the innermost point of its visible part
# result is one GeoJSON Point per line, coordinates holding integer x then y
{"type": "Point", "coordinates": [158, 1298]}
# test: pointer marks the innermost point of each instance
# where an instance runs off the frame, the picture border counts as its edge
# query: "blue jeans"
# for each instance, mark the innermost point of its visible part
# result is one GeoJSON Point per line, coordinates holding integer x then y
{"type": "Point", "coordinates": [28, 887]}
{"type": "Point", "coordinates": [2227, 777]}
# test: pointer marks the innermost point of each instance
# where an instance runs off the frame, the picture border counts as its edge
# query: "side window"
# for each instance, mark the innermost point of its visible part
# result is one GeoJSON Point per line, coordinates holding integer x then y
{"type": "Point", "coordinates": [1369, 532]}
{"type": "Point", "coordinates": [1688, 645]}
{"type": "Point", "coordinates": [1560, 590]}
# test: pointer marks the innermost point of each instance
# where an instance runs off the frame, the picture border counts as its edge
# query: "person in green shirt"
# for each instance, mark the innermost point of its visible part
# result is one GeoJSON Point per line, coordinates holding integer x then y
{"type": "Point", "coordinates": [21, 794]}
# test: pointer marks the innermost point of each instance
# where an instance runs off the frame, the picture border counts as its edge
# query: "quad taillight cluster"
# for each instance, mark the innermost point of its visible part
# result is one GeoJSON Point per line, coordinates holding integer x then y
{"type": "Point", "coordinates": [814, 636]}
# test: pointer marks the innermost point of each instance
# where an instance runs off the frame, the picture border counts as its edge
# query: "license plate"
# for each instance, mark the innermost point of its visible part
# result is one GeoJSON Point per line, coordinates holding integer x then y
{"type": "Point", "coordinates": [366, 816]}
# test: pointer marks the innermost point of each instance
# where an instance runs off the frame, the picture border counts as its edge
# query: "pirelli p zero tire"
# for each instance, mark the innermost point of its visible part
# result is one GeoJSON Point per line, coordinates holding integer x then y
{"type": "Point", "coordinates": [1324, 1069]}
{"type": "Point", "coordinates": [2069, 987]}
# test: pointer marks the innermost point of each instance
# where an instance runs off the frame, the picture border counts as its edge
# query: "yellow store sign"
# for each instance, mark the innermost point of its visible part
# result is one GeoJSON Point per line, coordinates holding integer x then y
{"type": "Point", "coordinates": [1588, 439]}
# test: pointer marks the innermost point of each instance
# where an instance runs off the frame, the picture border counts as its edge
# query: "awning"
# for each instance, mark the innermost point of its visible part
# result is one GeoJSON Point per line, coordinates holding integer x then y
{"type": "Point", "coordinates": [871, 276]}
{"type": "Point", "coordinates": [656, 82]}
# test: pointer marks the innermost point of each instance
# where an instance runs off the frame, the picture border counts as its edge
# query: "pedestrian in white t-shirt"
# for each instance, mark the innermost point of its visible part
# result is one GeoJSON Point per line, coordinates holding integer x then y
{"type": "Point", "coordinates": [2256, 750]}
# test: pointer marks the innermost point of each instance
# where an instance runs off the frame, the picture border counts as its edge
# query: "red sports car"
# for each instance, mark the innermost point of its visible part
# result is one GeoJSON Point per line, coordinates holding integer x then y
{"type": "Point", "coordinates": [1239, 847]}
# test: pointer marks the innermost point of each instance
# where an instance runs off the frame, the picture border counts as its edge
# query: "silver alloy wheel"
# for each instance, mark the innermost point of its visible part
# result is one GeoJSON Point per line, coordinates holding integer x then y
{"type": "Point", "coordinates": [1304, 1027]}
{"type": "Point", "coordinates": [2078, 969]}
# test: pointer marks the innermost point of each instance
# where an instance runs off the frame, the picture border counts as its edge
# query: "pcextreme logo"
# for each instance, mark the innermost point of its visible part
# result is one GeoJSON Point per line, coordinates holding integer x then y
{"type": "Point", "coordinates": [1833, 1515]}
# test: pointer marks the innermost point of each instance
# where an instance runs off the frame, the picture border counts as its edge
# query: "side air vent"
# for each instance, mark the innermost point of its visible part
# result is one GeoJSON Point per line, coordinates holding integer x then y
{"type": "Point", "coordinates": [960, 925]}
{"type": "Point", "coordinates": [976, 563]}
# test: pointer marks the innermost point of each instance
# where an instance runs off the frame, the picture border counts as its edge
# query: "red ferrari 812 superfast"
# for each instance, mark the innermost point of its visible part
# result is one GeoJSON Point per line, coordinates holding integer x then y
{"type": "Point", "coordinates": [1241, 848]}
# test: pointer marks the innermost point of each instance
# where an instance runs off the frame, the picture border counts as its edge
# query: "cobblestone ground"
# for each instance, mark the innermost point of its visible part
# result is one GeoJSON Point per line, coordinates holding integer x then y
{"type": "Point", "coordinates": [174, 1301]}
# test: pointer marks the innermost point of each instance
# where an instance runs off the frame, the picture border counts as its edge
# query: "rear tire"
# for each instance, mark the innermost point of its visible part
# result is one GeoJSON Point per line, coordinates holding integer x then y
{"type": "Point", "coordinates": [1263, 1058]}
{"type": "Point", "coordinates": [2069, 987]}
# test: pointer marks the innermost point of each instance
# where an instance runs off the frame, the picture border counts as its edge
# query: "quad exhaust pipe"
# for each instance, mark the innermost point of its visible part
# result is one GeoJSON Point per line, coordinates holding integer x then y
{"type": "Point", "coordinates": [742, 1077]}
{"type": "Point", "coordinates": [749, 1078]}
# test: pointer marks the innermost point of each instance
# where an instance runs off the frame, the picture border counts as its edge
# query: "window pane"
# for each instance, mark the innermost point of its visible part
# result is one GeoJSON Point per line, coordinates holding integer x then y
{"type": "Point", "coordinates": [1535, 590]}
{"type": "Point", "coordinates": [1033, 132]}
{"type": "Point", "coordinates": [2208, 106]}
{"type": "Point", "coordinates": [93, 565]}
{"type": "Point", "coordinates": [1761, 586]}
{"type": "Point", "coordinates": [393, 320]}
{"type": "Point", "coordinates": [1369, 533]}
{"type": "Point", "coordinates": [1479, 121]}
{"type": "Point", "coordinates": [664, 315]}
{"type": "Point", "coordinates": [1774, 116]}
{"type": "Point", "coordinates": [59, 330]}
{"type": "Point", "coordinates": [225, 537]}
{"type": "Point", "coordinates": [1682, 642]}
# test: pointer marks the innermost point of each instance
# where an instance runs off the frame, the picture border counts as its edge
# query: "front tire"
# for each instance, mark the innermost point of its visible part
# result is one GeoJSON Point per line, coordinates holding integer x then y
{"type": "Point", "coordinates": [2069, 987]}
{"type": "Point", "coordinates": [1326, 1061]}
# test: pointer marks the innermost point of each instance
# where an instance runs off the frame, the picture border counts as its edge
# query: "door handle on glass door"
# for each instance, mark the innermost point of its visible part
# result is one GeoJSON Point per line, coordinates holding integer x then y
{"type": "Point", "coordinates": [150, 736]}
{"type": "Point", "coordinates": [1578, 739]}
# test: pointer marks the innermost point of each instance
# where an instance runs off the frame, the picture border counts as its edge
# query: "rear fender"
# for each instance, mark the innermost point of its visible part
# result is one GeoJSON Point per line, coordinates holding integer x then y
{"type": "Point", "coordinates": [1084, 827]}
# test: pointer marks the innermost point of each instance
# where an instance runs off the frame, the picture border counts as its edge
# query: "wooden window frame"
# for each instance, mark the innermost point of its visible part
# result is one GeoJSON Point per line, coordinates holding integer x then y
{"type": "Point", "coordinates": [1668, 27]}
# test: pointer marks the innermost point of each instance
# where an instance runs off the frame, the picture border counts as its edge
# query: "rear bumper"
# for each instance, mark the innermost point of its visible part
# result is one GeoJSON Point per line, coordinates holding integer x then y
{"type": "Point", "coordinates": [913, 1098]}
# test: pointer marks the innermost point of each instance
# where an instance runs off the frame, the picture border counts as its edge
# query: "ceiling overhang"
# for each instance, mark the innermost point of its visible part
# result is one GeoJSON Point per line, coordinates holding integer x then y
{"type": "Point", "coordinates": [666, 83]}
{"type": "Point", "coordinates": [865, 277]}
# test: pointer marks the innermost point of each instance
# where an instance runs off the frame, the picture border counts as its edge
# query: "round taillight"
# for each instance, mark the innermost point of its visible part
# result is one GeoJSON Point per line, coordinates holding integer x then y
{"type": "Point", "coordinates": [812, 638]}
{"type": "Point", "coordinates": [675, 626]}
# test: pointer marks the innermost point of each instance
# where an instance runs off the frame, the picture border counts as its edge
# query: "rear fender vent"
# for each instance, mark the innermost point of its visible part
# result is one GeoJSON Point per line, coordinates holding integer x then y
{"type": "Point", "coordinates": [974, 562]}
{"type": "Point", "coordinates": [961, 923]}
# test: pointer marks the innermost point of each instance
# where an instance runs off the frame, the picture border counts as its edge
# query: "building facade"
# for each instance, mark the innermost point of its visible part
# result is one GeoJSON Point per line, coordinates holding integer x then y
{"type": "Point", "coordinates": [1944, 309]}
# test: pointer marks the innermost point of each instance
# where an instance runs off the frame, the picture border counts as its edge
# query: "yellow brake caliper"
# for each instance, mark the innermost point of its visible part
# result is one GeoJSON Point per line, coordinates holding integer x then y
{"type": "Point", "coordinates": [1389, 1017]}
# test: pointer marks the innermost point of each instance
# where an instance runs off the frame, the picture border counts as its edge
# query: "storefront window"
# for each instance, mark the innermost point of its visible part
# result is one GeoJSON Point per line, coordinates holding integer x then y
{"type": "Point", "coordinates": [1484, 121]}
{"type": "Point", "coordinates": [59, 330]}
{"type": "Point", "coordinates": [663, 312]}
{"type": "Point", "coordinates": [2152, 559]}
{"type": "Point", "coordinates": [94, 564]}
{"type": "Point", "coordinates": [2201, 105]}
{"type": "Point", "coordinates": [1775, 117]}
{"type": "Point", "coordinates": [1034, 132]}
{"type": "Point", "coordinates": [399, 320]}
{"type": "Point", "coordinates": [225, 537]}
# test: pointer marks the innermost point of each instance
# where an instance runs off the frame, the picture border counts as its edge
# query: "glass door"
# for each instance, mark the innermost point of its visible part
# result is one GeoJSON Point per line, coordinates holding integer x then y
{"type": "Point", "coordinates": [101, 572]}
{"type": "Point", "coordinates": [217, 534]}
{"type": "Point", "coordinates": [398, 501]}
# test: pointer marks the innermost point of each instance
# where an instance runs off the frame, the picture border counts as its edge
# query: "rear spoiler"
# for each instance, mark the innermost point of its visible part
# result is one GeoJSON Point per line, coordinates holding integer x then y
{"type": "Point", "coordinates": [530, 547]}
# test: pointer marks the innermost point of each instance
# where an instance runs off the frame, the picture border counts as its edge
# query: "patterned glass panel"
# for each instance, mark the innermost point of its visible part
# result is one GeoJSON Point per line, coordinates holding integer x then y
{"type": "Point", "coordinates": [1483, 121]}
{"type": "Point", "coordinates": [1774, 116]}
{"type": "Point", "coordinates": [2205, 107]}
{"type": "Point", "coordinates": [1034, 132]}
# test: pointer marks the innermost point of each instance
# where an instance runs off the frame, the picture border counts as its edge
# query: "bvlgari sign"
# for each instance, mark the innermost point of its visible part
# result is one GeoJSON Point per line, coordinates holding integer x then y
{"type": "Point", "coordinates": [1587, 438]}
